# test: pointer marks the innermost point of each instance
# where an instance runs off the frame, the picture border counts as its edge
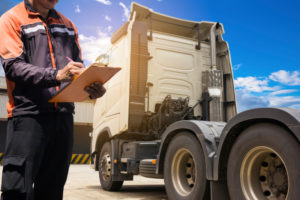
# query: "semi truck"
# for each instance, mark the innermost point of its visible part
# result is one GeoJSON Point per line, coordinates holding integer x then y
{"type": "Point", "coordinates": [170, 113]}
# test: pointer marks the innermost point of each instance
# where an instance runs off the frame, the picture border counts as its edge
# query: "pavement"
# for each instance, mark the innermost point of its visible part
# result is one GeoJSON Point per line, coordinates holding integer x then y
{"type": "Point", "coordinates": [83, 184]}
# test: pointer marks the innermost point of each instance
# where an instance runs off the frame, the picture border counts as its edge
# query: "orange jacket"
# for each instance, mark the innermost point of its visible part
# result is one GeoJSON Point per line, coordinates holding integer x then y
{"type": "Point", "coordinates": [32, 50]}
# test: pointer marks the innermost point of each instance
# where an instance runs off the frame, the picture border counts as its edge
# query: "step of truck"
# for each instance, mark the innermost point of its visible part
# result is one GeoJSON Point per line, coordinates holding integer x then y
{"type": "Point", "coordinates": [139, 150]}
{"type": "Point", "coordinates": [148, 169]}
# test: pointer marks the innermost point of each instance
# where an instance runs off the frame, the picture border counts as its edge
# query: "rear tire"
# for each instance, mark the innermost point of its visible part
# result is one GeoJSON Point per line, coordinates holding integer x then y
{"type": "Point", "coordinates": [105, 163]}
{"type": "Point", "coordinates": [184, 168]}
{"type": "Point", "coordinates": [264, 164]}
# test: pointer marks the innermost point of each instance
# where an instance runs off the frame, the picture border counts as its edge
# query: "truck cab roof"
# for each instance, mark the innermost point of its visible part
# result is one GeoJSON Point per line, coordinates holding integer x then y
{"type": "Point", "coordinates": [167, 24]}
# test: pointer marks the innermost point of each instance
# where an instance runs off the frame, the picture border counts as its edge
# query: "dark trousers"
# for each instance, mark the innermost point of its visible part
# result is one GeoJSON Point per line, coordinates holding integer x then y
{"type": "Point", "coordinates": [37, 157]}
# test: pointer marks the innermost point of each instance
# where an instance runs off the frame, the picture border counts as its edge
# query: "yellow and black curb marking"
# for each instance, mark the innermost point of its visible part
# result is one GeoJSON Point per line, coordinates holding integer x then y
{"type": "Point", "coordinates": [76, 158]}
{"type": "Point", "coordinates": [81, 159]}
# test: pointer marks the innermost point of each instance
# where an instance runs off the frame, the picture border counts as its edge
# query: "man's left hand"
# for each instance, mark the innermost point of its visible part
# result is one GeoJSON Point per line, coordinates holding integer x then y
{"type": "Point", "coordinates": [95, 90]}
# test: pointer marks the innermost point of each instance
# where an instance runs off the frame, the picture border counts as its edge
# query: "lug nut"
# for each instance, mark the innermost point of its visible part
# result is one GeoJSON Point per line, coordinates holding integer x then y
{"type": "Point", "coordinates": [264, 164]}
{"type": "Point", "coordinates": [267, 193]}
{"type": "Point", "coordinates": [273, 155]}
{"type": "Point", "coordinates": [262, 178]}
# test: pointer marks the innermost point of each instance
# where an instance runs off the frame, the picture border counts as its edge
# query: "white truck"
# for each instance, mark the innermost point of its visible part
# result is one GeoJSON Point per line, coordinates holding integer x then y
{"type": "Point", "coordinates": [171, 113]}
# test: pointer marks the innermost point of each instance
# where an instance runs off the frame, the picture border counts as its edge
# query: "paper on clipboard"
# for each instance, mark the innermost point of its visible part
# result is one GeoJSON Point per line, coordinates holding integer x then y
{"type": "Point", "coordinates": [74, 92]}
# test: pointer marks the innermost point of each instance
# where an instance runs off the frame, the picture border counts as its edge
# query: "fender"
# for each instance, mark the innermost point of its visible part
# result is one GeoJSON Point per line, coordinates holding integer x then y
{"type": "Point", "coordinates": [286, 117]}
{"type": "Point", "coordinates": [206, 133]}
{"type": "Point", "coordinates": [103, 135]}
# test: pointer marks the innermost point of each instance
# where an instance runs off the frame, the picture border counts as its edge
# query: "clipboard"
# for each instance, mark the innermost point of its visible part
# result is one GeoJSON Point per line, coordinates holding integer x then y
{"type": "Point", "coordinates": [74, 91]}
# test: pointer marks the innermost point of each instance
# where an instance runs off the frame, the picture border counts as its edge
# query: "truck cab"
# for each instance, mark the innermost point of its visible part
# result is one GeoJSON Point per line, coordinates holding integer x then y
{"type": "Point", "coordinates": [165, 58]}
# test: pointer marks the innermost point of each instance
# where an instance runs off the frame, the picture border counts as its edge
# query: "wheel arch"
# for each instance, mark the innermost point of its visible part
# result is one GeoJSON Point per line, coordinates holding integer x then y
{"type": "Point", "coordinates": [283, 117]}
{"type": "Point", "coordinates": [102, 137]}
{"type": "Point", "coordinates": [205, 132]}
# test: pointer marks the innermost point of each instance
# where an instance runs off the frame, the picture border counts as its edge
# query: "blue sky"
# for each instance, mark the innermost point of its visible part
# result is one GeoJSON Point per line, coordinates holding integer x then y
{"type": "Point", "coordinates": [263, 35]}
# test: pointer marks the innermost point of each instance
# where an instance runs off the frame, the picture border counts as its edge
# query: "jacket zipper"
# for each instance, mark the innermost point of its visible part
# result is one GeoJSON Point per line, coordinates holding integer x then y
{"type": "Point", "coordinates": [51, 55]}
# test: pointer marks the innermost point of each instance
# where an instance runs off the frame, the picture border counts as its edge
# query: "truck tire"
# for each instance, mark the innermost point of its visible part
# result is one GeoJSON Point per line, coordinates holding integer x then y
{"type": "Point", "coordinates": [105, 162]}
{"type": "Point", "coordinates": [184, 168]}
{"type": "Point", "coordinates": [264, 164]}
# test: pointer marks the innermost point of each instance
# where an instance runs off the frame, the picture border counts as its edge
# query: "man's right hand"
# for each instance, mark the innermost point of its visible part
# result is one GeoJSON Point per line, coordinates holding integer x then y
{"type": "Point", "coordinates": [69, 71]}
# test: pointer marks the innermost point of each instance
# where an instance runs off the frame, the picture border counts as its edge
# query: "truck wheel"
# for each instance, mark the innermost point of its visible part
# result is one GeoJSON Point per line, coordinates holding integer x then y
{"type": "Point", "coordinates": [184, 168]}
{"type": "Point", "coordinates": [105, 163]}
{"type": "Point", "coordinates": [264, 164]}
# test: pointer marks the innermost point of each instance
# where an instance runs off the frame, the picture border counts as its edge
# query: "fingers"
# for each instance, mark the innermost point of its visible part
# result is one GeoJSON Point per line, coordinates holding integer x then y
{"type": "Point", "coordinates": [77, 64]}
{"type": "Point", "coordinates": [75, 68]}
{"type": "Point", "coordinates": [69, 71]}
{"type": "Point", "coordinates": [76, 71]}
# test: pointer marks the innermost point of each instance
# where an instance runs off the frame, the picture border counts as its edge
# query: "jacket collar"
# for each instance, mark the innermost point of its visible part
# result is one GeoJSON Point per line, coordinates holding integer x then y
{"type": "Point", "coordinates": [32, 11]}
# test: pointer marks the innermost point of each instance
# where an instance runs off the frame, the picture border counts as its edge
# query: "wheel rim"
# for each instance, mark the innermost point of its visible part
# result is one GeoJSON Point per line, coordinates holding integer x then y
{"type": "Point", "coordinates": [105, 166]}
{"type": "Point", "coordinates": [183, 172]}
{"type": "Point", "coordinates": [263, 175]}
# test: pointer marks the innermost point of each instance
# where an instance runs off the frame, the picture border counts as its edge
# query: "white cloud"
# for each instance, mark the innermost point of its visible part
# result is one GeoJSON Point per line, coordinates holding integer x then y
{"type": "Point", "coordinates": [253, 84]}
{"type": "Point", "coordinates": [77, 9]}
{"type": "Point", "coordinates": [236, 67]}
{"type": "Point", "coordinates": [286, 101]}
{"type": "Point", "coordinates": [254, 92]}
{"type": "Point", "coordinates": [92, 46]}
{"type": "Point", "coordinates": [279, 92]}
{"type": "Point", "coordinates": [246, 100]}
{"type": "Point", "coordinates": [296, 106]}
{"type": "Point", "coordinates": [105, 2]}
{"type": "Point", "coordinates": [286, 77]}
{"type": "Point", "coordinates": [125, 11]}
{"type": "Point", "coordinates": [109, 28]}
{"type": "Point", "coordinates": [107, 18]}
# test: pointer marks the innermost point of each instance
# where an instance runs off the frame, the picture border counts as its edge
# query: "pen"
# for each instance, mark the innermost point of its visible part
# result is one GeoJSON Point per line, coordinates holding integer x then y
{"type": "Point", "coordinates": [69, 59]}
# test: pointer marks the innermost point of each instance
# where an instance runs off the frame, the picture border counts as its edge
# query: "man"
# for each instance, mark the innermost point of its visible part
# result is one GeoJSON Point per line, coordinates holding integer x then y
{"type": "Point", "coordinates": [35, 41]}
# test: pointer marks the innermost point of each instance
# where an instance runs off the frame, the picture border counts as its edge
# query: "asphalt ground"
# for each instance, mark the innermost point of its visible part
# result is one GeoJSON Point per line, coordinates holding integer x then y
{"type": "Point", "coordinates": [83, 184]}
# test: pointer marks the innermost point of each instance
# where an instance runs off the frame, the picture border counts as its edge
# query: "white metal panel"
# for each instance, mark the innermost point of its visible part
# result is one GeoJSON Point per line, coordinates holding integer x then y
{"type": "Point", "coordinates": [2, 82]}
{"type": "Point", "coordinates": [84, 113]}
{"type": "Point", "coordinates": [111, 110]}
{"type": "Point", "coordinates": [176, 69]}
{"type": "Point", "coordinates": [3, 101]}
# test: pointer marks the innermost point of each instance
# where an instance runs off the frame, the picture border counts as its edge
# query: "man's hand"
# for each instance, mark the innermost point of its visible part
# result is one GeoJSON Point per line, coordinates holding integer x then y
{"type": "Point", "coordinates": [69, 71]}
{"type": "Point", "coordinates": [95, 90]}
